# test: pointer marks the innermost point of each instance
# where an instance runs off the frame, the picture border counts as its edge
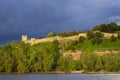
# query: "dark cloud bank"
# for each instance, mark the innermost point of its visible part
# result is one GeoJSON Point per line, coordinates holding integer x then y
{"type": "Point", "coordinates": [39, 17]}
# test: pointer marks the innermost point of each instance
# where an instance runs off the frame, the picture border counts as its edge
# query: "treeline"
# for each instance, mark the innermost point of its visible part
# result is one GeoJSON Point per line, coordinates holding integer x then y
{"type": "Point", "coordinates": [64, 34]}
{"type": "Point", "coordinates": [20, 57]}
{"type": "Point", "coordinates": [110, 28]}
{"type": "Point", "coordinates": [45, 57]}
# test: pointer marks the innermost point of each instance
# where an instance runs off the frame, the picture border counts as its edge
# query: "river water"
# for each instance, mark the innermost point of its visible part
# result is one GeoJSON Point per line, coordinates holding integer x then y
{"type": "Point", "coordinates": [59, 76]}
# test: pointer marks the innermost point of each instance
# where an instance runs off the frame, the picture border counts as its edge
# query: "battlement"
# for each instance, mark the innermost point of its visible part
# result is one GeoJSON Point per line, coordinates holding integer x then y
{"type": "Point", "coordinates": [24, 37]}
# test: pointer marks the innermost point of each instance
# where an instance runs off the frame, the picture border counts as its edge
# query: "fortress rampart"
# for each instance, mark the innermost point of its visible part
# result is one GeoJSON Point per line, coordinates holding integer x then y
{"type": "Point", "coordinates": [35, 41]}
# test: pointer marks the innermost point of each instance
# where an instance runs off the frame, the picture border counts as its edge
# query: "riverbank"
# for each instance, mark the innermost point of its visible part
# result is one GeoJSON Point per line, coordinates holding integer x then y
{"type": "Point", "coordinates": [65, 72]}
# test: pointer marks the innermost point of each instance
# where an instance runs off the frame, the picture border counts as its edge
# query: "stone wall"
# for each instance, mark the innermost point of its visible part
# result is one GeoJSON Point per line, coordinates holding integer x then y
{"type": "Point", "coordinates": [35, 41]}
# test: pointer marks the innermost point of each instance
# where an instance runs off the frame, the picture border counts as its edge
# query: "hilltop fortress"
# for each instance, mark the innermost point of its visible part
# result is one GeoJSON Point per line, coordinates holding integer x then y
{"type": "Point", "coordinates": [35, 41]}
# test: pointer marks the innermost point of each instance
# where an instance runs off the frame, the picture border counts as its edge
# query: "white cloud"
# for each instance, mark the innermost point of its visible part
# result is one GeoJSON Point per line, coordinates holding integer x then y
{"type": "Point", "coordinates": [115, 19]}
{"type": "Point", "coordinates": [118, 23]}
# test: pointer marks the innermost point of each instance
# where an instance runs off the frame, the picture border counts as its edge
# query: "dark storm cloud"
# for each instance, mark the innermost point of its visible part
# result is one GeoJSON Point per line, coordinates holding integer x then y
{"type": "Point", "coordinates": [39, 17]}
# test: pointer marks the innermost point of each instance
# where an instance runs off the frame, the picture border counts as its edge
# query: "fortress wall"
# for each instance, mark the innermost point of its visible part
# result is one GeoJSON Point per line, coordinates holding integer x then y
{"type": "Point", "coordinates": [35, 41]}
{"type": "Point", "coordinates": [72, 37]}
{"type": "Point", "coordinates": [108, 35]}
{"type": "Point", "coordinates": [83, 34]}
{"type": "Point", "coordinates": [43, 40]}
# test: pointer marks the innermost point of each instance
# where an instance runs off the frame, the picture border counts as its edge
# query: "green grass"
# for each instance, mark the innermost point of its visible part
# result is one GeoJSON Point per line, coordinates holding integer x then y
{"type": "Point", "coordinates": [105, 45]}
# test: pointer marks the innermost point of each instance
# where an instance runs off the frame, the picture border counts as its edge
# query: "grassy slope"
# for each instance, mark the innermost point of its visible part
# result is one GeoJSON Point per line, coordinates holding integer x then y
{"type": "Point", "coordinates": [105, 45]}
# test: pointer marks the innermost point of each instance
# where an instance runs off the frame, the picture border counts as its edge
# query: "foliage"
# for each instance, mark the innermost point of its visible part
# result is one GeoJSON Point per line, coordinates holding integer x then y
{"type": "Point", "coordinates": [111, 62]}
{"type": "Point", "coordinates": [45, 57]}
{"type": "Point", "coordinates": [63, 34]}
{"type": "Point", "coordinates": [118, 35]}
{"type": "Point", "coordinates": [110, 28]}
{"type": "Point", "coordinates": [89, 62]}
{"type": "Point", "coordinates": [113, 38]}
{"type": "Point", "coordinates": [51, 34]}
{"type": "Point", "coordinates": [90, 34]}
{"type": "Point", "coordinates": [69, 45]}
{"type": "Point", "coordinates": [81, 39]}
{"type": "Point", "coordinates": [98, 34]}
{"type": "Point", "coordinates": [98, 38]}
{"type": "Point", "coordinates": [65, 63]}
{"type": "Point", "coordinates": [66, 34]}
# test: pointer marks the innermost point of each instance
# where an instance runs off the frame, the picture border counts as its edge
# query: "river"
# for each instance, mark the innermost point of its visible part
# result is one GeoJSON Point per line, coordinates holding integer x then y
{"type": "Point", "coordinates": [59, 76]}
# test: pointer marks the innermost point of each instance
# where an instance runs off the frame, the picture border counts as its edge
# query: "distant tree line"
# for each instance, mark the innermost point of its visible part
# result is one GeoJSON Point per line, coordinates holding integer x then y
{"type": "Point", "coordinates": [64, 34]}
{"type": "Point", "coordinates": [110, 28]}
{"type": "Point", "coordinates": [21, 57]}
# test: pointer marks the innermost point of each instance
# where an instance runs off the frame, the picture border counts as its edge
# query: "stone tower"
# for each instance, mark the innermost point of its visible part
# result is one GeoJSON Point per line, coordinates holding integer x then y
{"type": "Point", "coordinates": [24, 37]}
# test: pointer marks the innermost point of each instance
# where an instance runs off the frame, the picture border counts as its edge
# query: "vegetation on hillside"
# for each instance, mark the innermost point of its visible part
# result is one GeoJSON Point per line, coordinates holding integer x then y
{"type": "Point", "coordinates": [110, 28]}
{"type": "Point", "coordinates": [64, 34]}
{"type": "Point", "coordinates": [48, 56]}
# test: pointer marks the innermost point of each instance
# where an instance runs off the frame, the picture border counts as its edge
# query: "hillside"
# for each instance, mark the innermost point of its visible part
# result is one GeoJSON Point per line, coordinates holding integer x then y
{"type": "Point", "coordinates": [68, 51]}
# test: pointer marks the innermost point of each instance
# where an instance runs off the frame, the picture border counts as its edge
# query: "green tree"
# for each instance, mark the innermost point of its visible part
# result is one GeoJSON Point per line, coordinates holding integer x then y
{"type": "Point", "coordinates": [55, 52]}
{"type": "Point", "coordinates": [7, 59]}
{"type": "Point", "coordinates": [106, 61]}
{"type": "Point", "coordinates": [90, 34]}
{"type": "Point", "coordinates": [89, 62]}
{"type": "Point", "coordinates": [63, 34]}
{"type": "Point", "coordinates": [98, 34]}
{"type": "Point", "coordinates": [21, 67]}
{"type": "Point", "coordinates": [65, 63]}
{"type": "Point", "coordinates": [99, 63]}
{"type": "Point", "coordinates": [113, 38]}
{"type": "Point", "coordinates": [81, 39]}
{"type": "Point", "coordinates": [118, 35]}
{"type": "Point", "coordinates": [111, 62]}
{"type": "Point", "coordinates": [110, 28]}
{"type": "Point", "coordinates": [48, 61]}
{"type": "Point", "coordinates": [76, 65]}
{"type": "Point", "coordinates": [96, 28]}
{"type": "Point", "coordinates": [1, 61]}
{"type": "Point", "coordinates": [70, 45]}
{"type": "Point", "coordinates": [98, 38]}
{"type": "Point", "coordinates": [73, 33]}
{"type": "Point", "coordinates": [51, 34]}
{"type": "Point", "coordinates": [38, 63]}
{"type": "Point", "coordinates": [23, 58]}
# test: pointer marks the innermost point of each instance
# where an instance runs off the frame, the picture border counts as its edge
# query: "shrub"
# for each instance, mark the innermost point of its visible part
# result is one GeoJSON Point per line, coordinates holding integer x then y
{"type": "Point", "coordinates": [113, 38]}
{"type": "Point", "coordinates": [51, 34]}
{"type": "Point", "coordinates": [74, 42]}
{"type": "Point", "coordinates": [118, 36]}
{"type": "Point", "coordinates": [70, 45]}
{"type": "Point", "coordinates": [99, 34]}
{"type": "Point", "coordinates": [96, 40]}
{"type": "Point", "coordinates": [90, 34]}
{"type": "Point", "coordinates": [81, 39]}
{"type": "Point", "coordinates": [63, 34]}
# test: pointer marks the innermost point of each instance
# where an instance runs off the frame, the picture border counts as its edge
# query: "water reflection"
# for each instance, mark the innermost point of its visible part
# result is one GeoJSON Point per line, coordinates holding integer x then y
{"type": "Point", "coordinates": [60, 77]}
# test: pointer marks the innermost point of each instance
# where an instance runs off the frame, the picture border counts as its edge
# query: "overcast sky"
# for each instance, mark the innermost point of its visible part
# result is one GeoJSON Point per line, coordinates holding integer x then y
{"type": "Point", "coordinates": [39, 17]}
